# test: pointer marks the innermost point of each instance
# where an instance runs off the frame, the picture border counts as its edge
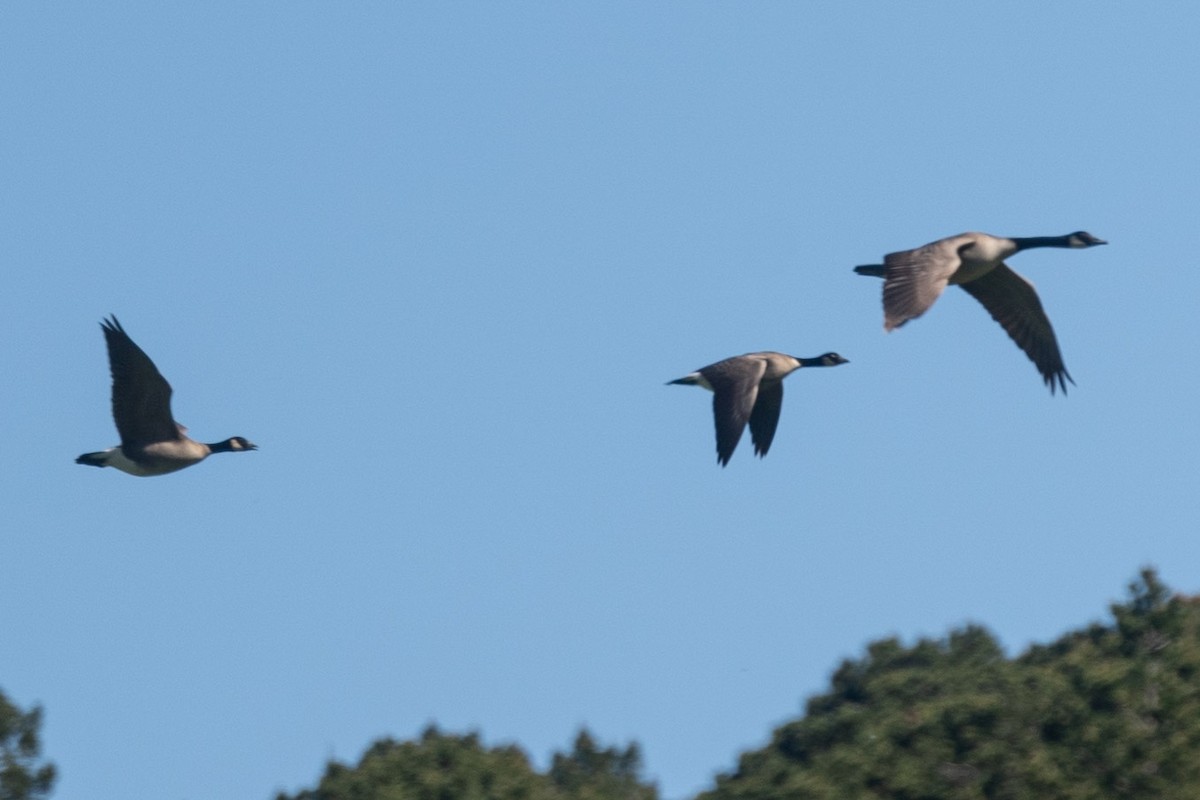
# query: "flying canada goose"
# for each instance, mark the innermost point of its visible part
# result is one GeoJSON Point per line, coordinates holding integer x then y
{"type": "Point", "coordinates": [749, 388]}
{"type": "Point", "coordinates": [914, 279]}
{"type": "Point", "coordinates": [152, 443]}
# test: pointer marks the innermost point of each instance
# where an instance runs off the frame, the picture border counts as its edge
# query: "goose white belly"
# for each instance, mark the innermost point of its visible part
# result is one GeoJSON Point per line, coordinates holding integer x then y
{"type": "Point", "coordinates": [157, 459]}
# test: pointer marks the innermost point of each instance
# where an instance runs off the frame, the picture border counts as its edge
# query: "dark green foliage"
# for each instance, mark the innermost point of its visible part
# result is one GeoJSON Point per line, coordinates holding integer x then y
{"type": "Point", "coordinates": [1112, 711]}
{"type": "Point", "coordinates": [21, 778]}
{"type": "Point", "coordinates": [590, 773]}
{"type": "Point", "coordinates": [1106, 712]}
{"type": "Point", "coordinates": [449, 767]}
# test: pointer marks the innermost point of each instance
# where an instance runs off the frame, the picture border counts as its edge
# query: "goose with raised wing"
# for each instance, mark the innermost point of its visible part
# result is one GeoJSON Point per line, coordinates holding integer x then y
{"type": "Point", "coordinates": [914, 279]}
{"type": "Point", "coordinates": [749, 389]}
{"type": "Point", "coordinates": [152, 443]}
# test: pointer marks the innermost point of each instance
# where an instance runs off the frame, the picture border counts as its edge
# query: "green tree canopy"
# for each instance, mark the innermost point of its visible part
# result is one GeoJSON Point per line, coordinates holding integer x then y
{"type": "Point", "coordinates": [441, 766]}
{"type": "Point", "coordinates": [1112, 711]}
{"type": "Point", "coordinates": [1108, 711]}
{"type": "Point", "coordinates": [590, 772]}
{"type": "Point", "coordinates": [21, 776]}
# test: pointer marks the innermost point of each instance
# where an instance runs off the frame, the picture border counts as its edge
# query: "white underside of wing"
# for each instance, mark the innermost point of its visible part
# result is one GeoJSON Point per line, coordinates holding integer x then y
{"type": "Point", "coordinates": [163, 457]}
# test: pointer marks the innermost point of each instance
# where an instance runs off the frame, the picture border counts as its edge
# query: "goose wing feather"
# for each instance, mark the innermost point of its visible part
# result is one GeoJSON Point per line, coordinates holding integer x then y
{"type": "Point", "coordinates": [735, 384]}
{"type": "Point", "coordinates": [915, 279]}
{"type": "Point", "coordinates": [1013, 302]}
{"type": "Point", "coordinates": [764, 419]}
{"type": "Point", "coordinates": [141, 396]}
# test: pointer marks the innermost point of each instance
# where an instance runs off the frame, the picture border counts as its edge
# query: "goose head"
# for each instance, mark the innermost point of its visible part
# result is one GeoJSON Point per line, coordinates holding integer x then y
{"type": "Point", "coordinates": [233, 445]}
{"type": "Point", "coordinates": [831, 360]}
{"type": "Point", "coordinates": [1083, 239]}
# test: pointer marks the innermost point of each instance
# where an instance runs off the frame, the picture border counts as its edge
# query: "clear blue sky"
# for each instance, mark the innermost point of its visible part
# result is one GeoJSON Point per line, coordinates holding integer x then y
{"type": "Point", "coordinates": [438, 260]}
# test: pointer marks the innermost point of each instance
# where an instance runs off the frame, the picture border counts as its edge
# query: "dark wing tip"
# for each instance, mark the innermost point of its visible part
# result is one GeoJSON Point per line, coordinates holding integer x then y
{"type": "Point", "coordinates": [113, 330]}
{"type": "Point", "coordinates": [1058, 379]}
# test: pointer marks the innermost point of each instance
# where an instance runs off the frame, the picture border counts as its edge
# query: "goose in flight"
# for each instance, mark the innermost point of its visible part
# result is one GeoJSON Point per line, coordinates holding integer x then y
{"type": "Point", "coordinates": [749, 388]}
{"type": "Point", "coordinates": [152, 443]}
{"type": "Point", "coordinates": [914, 279]}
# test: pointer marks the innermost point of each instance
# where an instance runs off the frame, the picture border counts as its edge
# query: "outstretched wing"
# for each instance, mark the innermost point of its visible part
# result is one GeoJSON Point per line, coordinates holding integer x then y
{"type": "Point", "coordinates": [141, 396]}
{"type": "Point", "coordinates": [735, 389]}
{"type": "Point", "coordinates": [1013, 302]}
{"type": "Point", "coordinates": [915, 279]}
{"type": "Point", "coordinates": [765, 417]}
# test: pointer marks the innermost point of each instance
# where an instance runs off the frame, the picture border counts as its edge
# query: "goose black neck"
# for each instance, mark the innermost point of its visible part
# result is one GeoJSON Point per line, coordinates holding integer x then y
{"type": "Point", "coordinates": [1027, 242]}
